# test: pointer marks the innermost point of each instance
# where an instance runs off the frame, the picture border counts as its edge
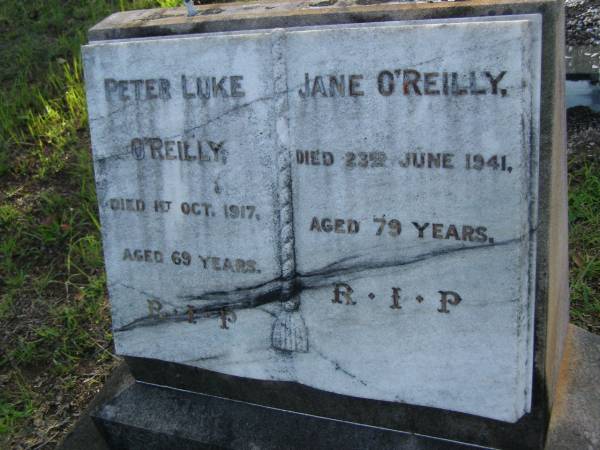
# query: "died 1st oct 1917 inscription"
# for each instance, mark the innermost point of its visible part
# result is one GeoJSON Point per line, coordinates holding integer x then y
{"type": "Point", "coordinates": [347, 207]}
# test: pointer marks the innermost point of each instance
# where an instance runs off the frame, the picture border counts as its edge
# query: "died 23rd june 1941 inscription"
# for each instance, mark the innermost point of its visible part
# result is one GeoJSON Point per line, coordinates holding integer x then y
{"type": "Point", "coordinates": [347, 207]}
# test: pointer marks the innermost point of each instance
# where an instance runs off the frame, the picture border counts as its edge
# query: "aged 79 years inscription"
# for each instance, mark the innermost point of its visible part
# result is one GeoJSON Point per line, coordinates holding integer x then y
{"type": "Point", "coordinates": [347, 207]}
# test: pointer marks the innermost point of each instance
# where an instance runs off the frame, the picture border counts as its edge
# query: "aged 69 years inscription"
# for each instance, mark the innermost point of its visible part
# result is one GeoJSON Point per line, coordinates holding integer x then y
{"type": "Point", "coordinates": [348, 207]}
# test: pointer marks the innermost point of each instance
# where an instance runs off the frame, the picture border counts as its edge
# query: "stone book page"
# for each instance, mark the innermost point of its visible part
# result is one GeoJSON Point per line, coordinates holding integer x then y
{"type": "Point", "coordinates": [349, 207]}
{"type": "Point", "coordinates": [186, 171]}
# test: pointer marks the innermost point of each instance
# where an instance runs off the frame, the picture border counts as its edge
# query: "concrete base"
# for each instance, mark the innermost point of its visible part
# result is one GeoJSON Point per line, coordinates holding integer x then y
{"type": "Point", "coordinates": [147, 417]}
{"type": "Point", "coordinates": [574, 423]}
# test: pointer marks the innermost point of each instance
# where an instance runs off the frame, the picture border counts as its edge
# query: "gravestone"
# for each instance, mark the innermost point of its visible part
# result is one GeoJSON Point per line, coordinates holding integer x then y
{"type": "Point", "coordinates": [355, 212]}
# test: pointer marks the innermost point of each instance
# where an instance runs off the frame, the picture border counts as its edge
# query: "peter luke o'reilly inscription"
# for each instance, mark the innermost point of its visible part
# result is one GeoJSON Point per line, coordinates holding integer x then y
{"type": "Point", "coordinates": [213, 150]}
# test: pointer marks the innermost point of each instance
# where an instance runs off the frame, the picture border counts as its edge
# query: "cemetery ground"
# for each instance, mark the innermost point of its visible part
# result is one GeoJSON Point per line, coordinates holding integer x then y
{"type": "Point", "coordinates": [55, 339]}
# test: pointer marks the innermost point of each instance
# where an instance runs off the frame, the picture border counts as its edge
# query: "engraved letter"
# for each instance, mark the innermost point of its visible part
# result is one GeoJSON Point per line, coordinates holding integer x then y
{"type": "Point", "coordinates": [235, 86]}
{"type": "Point", "coordinates": [456, 88]}
{"type": "Point", "coordinates": [219, 87]}
{"type": "Point", "coordinates": [151, 89]}
{"type": "Point", "coordinates": [306, 88]}
{"type": "Point", "coordinates": [354, 85]}
{"type": "Point", "coordinates": [494, 82]}
{"type": "Point", "coordinates": [411, 78]}
{"type": "Point", "coordinates": [137, 148]}
{"type": "Point", "coordinates": [164, 89]}
{"type": "Point", "coordinates": [473, 85]}
{"type": "Point", "coordinates": [336, 85]}
{"type": "Point", "coordinates": [123, 87]}
{"type": "Point", "coordinates": [318, 86]}
{"type": "Point", "coordinates": [346, 293]}
{"type": "Point", "coordinates": [448, 297]}
{"type": "Point", "coordinates": [396, 298]}
{"type": "Point", "coordinates": [154, 307]}
{"type": "Point", "coordinates": [216, 147]}
{"type": "Point", "coordinates": [314, 225]}
{"type": "Point", "coordinates": [430, 82]}
{"type": "Point", "coordinates": [110, 86]}
{"type": "Point", "coordinates": [184, 89]}
{"type": "Point", "coordinates": [385, 83]}
{"type": "Point", "coordinates": [421, 228]}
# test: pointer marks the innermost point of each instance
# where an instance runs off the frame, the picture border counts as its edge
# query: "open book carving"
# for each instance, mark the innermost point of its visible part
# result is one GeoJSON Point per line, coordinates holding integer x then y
{"type": "Point", "coordinates": [348, 207]}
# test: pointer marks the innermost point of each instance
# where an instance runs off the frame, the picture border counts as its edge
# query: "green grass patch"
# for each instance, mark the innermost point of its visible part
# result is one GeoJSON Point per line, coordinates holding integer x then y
{"type": "Point", "coordinates": [11, 413]}
{"type": "Point", "coordinates": [584, 224]}
{"type": "Point", "coordinates": [54, 319]}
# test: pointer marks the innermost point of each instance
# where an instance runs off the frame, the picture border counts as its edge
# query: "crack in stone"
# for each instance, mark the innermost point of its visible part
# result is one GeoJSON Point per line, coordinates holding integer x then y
{"type": "Point", "coordinates": [339, 368]}
{"type": "Point", "coordinates": [204, 358]}
{"type": "Point", "coordinates": [127, 286]}
{"type": "Point", "coordinates": [240, 294]}
{"type": "Point", "coordinates": [113, 112]}
{"type": "Point", "coordinates": [201, 125]}
{"type": "Point", "coordinates": [225, 113]}
{"type": "Point", "coordinates": [112, 156]}
{"type": "Point", "coordinates": [272, 290]}
{"type": "Point", "coordinates": [266, 311]}
{"type": "Point", "coordinates": [334, 269]}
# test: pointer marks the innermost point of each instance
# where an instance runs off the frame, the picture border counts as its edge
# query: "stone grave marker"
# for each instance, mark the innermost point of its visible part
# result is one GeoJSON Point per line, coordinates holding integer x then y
{"type": "Point", "coordinates": [361, 219]}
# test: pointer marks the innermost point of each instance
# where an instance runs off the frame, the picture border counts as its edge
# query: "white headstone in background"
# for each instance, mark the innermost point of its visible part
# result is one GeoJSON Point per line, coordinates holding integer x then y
{"type": "Point", "coordinates": [348, 207]}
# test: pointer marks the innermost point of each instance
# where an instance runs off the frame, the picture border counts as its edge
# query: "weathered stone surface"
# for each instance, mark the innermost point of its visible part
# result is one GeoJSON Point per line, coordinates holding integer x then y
{"type": "Point", "coordinates": [303, 241]}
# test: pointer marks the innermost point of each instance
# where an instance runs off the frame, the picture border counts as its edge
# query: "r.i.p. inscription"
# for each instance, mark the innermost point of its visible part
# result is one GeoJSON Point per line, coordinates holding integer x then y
{"type": "Point", "coordinates": [347, 207]}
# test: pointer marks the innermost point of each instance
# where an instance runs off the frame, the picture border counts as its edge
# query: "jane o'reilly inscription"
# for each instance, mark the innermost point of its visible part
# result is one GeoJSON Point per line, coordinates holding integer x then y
{"type": "Point", "coordinates": [411, 82]}
{"type": "Point", "coordinates": [348, 207]}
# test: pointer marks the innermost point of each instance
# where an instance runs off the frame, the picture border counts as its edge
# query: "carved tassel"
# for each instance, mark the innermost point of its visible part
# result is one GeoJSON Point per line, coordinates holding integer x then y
{"type": "Point", "coordinates": [289, 331]}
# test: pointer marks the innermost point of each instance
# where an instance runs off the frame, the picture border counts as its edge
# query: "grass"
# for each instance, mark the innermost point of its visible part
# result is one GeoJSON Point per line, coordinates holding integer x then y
{"type": "Point", "coordinates": [584, 216]}
{"type": "Point", "coordinates": [584, 223]}
{"type": "Point", "coordinates": [55, 339]}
